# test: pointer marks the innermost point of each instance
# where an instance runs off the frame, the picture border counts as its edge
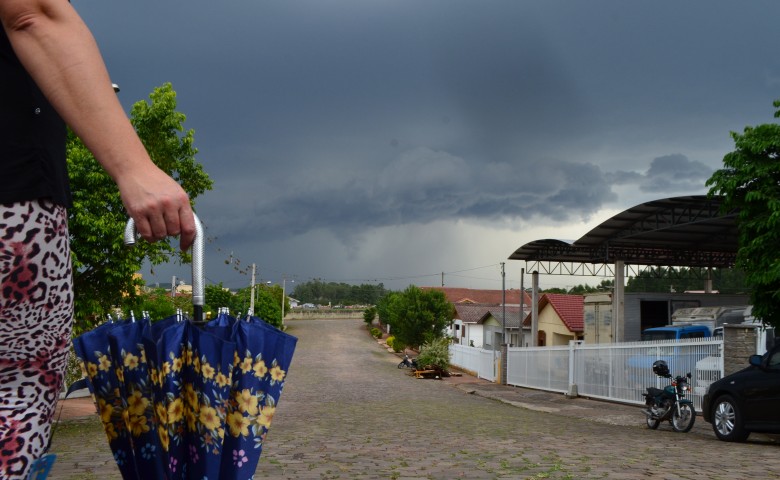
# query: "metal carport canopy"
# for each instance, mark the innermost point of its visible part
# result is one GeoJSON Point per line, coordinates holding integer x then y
{"type": "Point", "coordinates": [685, 231]}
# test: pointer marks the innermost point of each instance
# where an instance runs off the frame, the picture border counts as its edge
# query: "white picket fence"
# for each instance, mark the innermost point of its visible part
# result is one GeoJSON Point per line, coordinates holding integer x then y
{"type": "Point", "coordinates": [482, 363]}
{"type": "Point", "coordinates": [618, 372]}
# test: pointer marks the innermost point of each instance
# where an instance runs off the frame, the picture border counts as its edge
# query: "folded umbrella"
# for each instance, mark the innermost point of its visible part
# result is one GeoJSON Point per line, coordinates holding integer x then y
{"type": "Point", "coordinates": [103, 376]}
{"type": "Point", "coordinates": [262, 358]}
{"type": "Point", "coordinates": [181, 398]}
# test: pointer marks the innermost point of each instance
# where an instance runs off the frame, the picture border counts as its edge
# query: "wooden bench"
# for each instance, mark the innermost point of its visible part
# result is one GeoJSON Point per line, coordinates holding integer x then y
{"type": "Point", "coordinates": [425, 373]}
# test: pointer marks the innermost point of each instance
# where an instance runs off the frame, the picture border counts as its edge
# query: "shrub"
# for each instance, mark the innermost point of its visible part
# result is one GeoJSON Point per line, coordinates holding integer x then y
{"type": "Point", "coordinates": [398, 345]}
{"type": "Point", "coordinates": [435, 353]}
{"type": "Point", "coordinates": [389, 341]}
{"type": "Point", "coordinates": [369, 315]}
{"type": "Point", "coordinates": [376, 333]}
{"type": "Point", "coordinates": [73, 371]}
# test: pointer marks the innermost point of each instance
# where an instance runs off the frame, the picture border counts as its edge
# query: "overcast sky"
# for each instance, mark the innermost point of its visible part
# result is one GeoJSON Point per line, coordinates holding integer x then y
{"type": "Point", "coordinates": [391, 140]}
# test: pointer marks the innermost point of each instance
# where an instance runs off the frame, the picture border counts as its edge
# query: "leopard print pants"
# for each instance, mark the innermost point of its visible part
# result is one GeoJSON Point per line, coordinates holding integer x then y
{"type": "Point", "coordinates": [36, 312]}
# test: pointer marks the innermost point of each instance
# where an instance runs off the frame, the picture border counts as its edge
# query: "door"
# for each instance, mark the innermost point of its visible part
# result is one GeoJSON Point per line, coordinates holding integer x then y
{"type": "Point", "coordinates": [653, 313]}
{"type": "Point", "coordinates": [762, 393]}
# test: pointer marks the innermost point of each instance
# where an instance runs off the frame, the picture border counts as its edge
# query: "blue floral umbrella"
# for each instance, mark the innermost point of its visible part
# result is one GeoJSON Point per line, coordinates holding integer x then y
{"type": "Point", "coordinates": [181, 399]}
{"type": "Point", "coordinates": [128, 357]}
{"type": "Point", "coordinates": [103, 374]}
{"type": "Point", "coordinates": [261, 361]}
{"type": "Point", "coordinates": [191, 371]}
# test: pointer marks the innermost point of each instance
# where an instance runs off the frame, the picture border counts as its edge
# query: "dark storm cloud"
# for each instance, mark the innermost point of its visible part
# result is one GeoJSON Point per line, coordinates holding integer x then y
{"type": "Point", "coordinates": [424, 185]}
{"type": "Point", "coordinates": [342, 116]}
{"type": "Point", "coordinates": [670, 174]}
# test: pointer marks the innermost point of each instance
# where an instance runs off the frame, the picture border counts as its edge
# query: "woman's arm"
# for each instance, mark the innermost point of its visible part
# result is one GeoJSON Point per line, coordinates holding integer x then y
{"type": "Point", "coordinates": [60, 54]}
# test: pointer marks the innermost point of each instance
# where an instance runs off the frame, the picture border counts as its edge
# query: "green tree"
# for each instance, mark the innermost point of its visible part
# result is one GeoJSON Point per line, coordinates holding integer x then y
{"type": "Point", "coordinates": [750, 181]}
{"type": "Point", "coordinates": [604, 286]}
{"type": "Point", "coordinates": [666, 279]}
{"type": "Point", "coordinates": [157, 303]}
{"type": "Point", "coordinates": [103, 267]}
{"type": "Point", "coordinates": [268, 304]}
{"type": "Point", "coordinates": [216, 297]}
{"type": "Point", "coordinates": [436, 354]}
{"type": "Point", "coordinates": [317, 291]}
{"type": "Point", "coordinates": [369, 315]}
{"type": "Point", "coordinates": [416, 316]}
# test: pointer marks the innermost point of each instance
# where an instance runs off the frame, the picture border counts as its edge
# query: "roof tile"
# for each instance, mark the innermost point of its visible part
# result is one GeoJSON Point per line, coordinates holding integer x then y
{"type": "Point", "coordinates": [484, 297]}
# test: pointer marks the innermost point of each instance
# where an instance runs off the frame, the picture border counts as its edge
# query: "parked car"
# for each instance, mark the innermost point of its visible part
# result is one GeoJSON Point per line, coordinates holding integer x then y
{"type": "Point", "coordinates": [746, 401]}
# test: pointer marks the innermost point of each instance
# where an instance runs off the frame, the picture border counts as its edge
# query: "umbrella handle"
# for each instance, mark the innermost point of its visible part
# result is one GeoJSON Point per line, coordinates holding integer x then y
{"type": "Point", "coordinates": [131, 236]}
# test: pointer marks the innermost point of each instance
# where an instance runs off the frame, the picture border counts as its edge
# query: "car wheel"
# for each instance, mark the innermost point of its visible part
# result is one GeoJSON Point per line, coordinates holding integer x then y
{"type": "Point", "coordinates": [727, 420]}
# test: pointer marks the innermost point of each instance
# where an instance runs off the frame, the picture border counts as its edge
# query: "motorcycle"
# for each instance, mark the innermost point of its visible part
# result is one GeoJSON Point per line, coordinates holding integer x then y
{"type": "Point", "coordinates": [408, 362]}
{"type": "Point", "coordinates": [670, 403]}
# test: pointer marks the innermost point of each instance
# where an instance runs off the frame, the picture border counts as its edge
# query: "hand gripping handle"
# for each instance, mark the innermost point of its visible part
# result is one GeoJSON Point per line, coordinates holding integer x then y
{"type": "Point", "coordinates": [131, 236]}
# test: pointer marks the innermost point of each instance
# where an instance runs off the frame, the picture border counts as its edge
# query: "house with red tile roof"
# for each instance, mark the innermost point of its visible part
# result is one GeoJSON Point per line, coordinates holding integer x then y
{"type": "Point", "coordinates": [477, 324]}
{"type": "Point", "coordinates": [560, 319]}
{"type": "Point", "coordinates": [479, 314]}
{"type": "Point", "coordinates": [472, 296]}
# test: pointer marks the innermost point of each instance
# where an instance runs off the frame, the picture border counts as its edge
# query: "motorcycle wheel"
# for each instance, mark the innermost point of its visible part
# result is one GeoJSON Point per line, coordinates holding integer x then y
{"type": "Point", "coordinates": [401, 365]}
{"type": "Point", "coordinates": [652, 423]}
{"type": "Point", "coordinates": [683, 420]}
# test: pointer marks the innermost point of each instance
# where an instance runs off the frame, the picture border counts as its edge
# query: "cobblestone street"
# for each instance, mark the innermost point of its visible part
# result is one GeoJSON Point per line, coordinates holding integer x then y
{"type": "Point", "coordinates": [347, 412]}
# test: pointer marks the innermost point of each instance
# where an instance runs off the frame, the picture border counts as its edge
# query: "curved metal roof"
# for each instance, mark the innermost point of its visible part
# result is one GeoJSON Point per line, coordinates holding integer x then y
{"type": "Point", "coordinates": [686, 231]}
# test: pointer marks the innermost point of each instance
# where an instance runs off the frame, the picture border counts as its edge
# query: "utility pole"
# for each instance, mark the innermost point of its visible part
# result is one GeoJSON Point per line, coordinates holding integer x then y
{"type": "Point", "coordinates": [252, 300]}
{"type": "Point", "coordinates": [442, 279]}
{"type": "Point", "coordinates": [522, 305]}
{"type": "Point", "coordinates": [535, 309]}
{"type": "Point", "coordinates": [284, 286]}
{"type": "Point", "coordinates": [503, 303]}
{"type": "Point", "coordinates": [173, 287]}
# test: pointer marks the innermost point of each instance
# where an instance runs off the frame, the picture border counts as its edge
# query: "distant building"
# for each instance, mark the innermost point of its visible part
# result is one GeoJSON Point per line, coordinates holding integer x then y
{"type": "Point", "coordinates": [481, 297]}
{"type": "Point", "coordinates": [560, 319]}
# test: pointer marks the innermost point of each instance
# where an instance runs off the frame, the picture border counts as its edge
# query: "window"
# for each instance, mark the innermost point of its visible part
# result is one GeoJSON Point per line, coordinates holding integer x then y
{"type": "Point", "coordinates": [693, 335]}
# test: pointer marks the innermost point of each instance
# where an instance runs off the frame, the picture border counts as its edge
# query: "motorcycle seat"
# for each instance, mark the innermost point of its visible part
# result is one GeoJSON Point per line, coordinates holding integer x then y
{"type": "Point", "coordinates": [654, 392]}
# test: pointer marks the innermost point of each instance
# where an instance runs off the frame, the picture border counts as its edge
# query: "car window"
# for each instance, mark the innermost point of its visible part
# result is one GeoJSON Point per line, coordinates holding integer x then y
{"type": "Point", "coordinates": [774, 361]}
{"type": "Point", "coordinates": [693, 335]}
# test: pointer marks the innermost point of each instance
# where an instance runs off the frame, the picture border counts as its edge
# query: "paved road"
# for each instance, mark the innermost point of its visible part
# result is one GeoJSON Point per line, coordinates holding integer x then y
{"type": "Point", "coordinates": [347, 412]}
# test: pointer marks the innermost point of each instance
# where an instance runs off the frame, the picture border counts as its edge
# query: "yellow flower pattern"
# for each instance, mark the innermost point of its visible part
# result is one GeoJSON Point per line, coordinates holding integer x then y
{"type": "Point", "coordinates": [260, 369]}
{"type": "Point", "coordinates": [209, 418]}
{"type": "Point", "coordinates": [92, 370]}
{"type": "Point", "coordinates": [246, 402]}
{"type": "Point", "coordinates": [239, 424]}
{"type": "Point", "coordinates": [191, 405]}
{"type": "Point", "coordinates": [131, 361]}
{"type": "Point", "coordinates": [104, 363]}
{"type": "Point", "coordinates": [186, 394]}
{"type": "Point", "coordinates": [277, 374]}
{"type": "Point", "coordinates": [251, 410]}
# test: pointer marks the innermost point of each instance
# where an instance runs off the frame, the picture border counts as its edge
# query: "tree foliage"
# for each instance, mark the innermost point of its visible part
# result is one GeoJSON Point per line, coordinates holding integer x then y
{"type": "Point", "coordinates": [750, 181]}
{"type": "Point", "coordinates": [435, 353]}
{"type": "Point", "coordinates": [103, 266]}
{"type": "Point", "coordinates": [369, 315]}
{"type": "Point", "coordinates": [667, 279]}
{"type": "Point", "coordinates": [604, 286]}
{"type": "Point", "coordinates": [158, 303]}
{"type": "Point", "coordinates": [268, 302]}
{"type": "Point", "coordinates": [322, 293]}
{"type": "Point", "coordinates": [416, 316]}
{"type": "Point", "coordinates": [216, 297]}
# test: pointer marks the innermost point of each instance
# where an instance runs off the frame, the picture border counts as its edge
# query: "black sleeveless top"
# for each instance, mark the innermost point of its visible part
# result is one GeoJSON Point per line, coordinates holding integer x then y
{"type": "Point", "coordinates": [32, 137]}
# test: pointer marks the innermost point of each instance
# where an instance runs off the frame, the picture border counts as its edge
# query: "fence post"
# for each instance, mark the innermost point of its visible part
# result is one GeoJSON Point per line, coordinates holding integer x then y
{"type": "Point", "coordinates": [572, 393]}
{"type": "Point", "coordinates": [739, 343]}
{"type": "Point", "coordinates": [504, 363]}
